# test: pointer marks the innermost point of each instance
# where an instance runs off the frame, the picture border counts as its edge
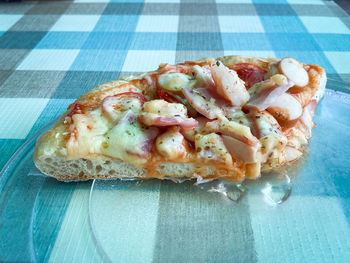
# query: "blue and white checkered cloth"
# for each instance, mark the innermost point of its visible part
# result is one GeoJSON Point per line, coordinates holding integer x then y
{"type": "Point", "coordinates": [51, 52]}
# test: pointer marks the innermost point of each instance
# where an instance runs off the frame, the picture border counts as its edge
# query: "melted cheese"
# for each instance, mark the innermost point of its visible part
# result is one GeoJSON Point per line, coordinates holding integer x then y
{"type": "Point", "coordinates": [174, 81]}
{"type": "Point", "coordinates": [124, 141]}
{"type": "Point", "coordinates": [114, 108]}
{"type": "Point", "coordinates": [165, 109]}
{"type": "Point", "coordinates": [239, 117]}
{"type": "Point", "coordinates": [92, 133]}
{"type": "Point", "coordinates": [211, 147]}
{"type": "Point", "coordinates": [171, 145]}
{"type": "Point", "coordinates": [87, 134]}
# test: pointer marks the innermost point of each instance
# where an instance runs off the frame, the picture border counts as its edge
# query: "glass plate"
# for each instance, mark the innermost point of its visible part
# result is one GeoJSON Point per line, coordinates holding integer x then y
{"type": "Point", "coordinates": [42, 219]}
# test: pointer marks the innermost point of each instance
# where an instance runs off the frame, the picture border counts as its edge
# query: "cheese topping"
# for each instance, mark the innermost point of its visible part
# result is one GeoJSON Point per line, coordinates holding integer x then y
{"type": "Point", "coordinates": [87, 134]}
{"type": "Point", "coordinates": [174, 81]}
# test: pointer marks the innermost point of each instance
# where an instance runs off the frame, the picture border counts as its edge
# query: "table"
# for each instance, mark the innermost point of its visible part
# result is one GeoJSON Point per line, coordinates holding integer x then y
{"type": "Point", "coordinates": [51, 52]}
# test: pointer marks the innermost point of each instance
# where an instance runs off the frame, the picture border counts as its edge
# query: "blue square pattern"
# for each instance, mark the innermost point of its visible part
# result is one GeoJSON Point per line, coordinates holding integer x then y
{"type": "Point", "coordinates": [199, 41]}
{"type": "Point", "coordinates": [8, 20]}
{"type": "Point", "coordinates": [293, 42]}
{"type": "Point", "coordinates": [49, 59]}
{"type": "Point", "coordinates": [76, 83]}
{"type": "Point", "coordinates": [82, 23]}
{"type": "Point", "coordinates": [339, 60]}
{"type": "Point", "coordinates": [333, 42]}
{"type": "Point", "coordinates": [154, 41]}
{"type": "Point", "coordinates": [18, 116]}
{"type": "Point", "coordinates": [123, 8]}
{"type": "Point", "coordinates": [63, 40]}
{"type": "Point", "coordinates": [324, 24]}
{"type": "Point", "coordinates": [245, 41]}
{"type": "Point", "coordinates": [109, 40]}
{"type": "Point", "coordinates": [8, 148]}
{"type": "Point", "coordinates": [20, 40]}
{"type": "Point", "coordinates": [282, 24]}
{"type": "Point", "coordinates": [309, 57]}
{"type": "Point", "coordinates": [126, 1]}
{"type": "Point", "coordinates": [99, 60]}
{"type": "Point", "coordinates": [284, 2]}
{"type": "Point", "coordinates": [273, 9]}
{"type": "Point", "coordinates": [117, 23]}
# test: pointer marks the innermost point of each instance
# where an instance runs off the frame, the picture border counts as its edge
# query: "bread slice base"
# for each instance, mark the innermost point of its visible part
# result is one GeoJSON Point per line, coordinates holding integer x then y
{"type": "Point", "coordinates": [106, 168]}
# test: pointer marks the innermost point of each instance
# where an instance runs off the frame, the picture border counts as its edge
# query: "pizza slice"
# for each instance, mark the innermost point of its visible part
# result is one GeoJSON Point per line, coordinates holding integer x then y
{"type": "Point", "coordinates": [231, 118]}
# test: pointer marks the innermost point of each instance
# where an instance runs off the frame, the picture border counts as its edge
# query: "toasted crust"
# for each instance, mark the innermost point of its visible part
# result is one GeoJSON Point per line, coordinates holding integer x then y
{"type": "Point", "coordinates": [50, 152]}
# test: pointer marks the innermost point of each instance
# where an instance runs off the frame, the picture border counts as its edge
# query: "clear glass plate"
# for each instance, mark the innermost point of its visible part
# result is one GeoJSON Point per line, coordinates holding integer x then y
{"type": "Point", "coordinates": [161, 221]}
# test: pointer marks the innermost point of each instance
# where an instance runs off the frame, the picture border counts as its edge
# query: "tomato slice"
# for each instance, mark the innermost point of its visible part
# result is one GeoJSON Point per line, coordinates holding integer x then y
{"type": "Point", "coordinates": [249, 73]}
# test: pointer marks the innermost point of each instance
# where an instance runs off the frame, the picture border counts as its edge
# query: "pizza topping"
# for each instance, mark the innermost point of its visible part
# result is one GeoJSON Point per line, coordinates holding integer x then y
{"type": "Point", "coordinates": [171, 144]}
{"type": "Point", "coordinates": [179, 68]}
{"type": "Point", "coordinates": [239, 117]}
{"type": "Point", "coordinates": [249, 73]}
{"type": "Point", "coordinates": [203, 76]}
{"type": "Point", "coordinates": [167, 96]}
{"type": "Point", "coordinates": [285, 108]}
{"type": "Point", "coordinates": [263, 94]}
{"type": "Point", "coordinates": [241, 150]}
{"type": "Point", "coordinates": [174, 81]}
{"type": "Point", "coordinates": [211, 96]}
{"type": "Point", "coordinates": [263, 123]}
{"type": "Point", "coordinates": [208, 103]}
{"type": "Point", "coordinates": [294, 71]}
{"type": "Point", "coordinates": [291, 154]}
{"type": "Point", "coordinates": [253, 170]}
{"type": "Point", "coordinates": [86, 134]}
{"type": "Point", "coordinates": [162, 113]}
{"type": "Point", "coordinates": [198, 101]}
{"type": "Point", "coordinates": [143, 149]}
{"type": "Point", "coordinates": [266, 128]}
{"type": "Point", "coordinates": [113, 107]}
{"type": "Point", "coordinates": [306, 118]}
{"type": "Point", "coordinates": [174, 98]}
{"type": "Point", "coordinates": [272, 70]}
{"type": "Point", "coordinates": [229, 85]}
{"type": "Point", "coordinates": [165, 109]}
{"type": "Point", "coordinates": [297, 135]}
{"type": "Point", "coordinates": [200, 129]}
{"type": "Point", "coordinates": [211, 147]}
{"type": "Point", "coordinates": [129, 141]}
{"type": "Point", "coordinates": [233, 129]}
{"type": "Point", "coordinates": [154, 120]}
{"type": "Point", "coordinates": [237, 138]}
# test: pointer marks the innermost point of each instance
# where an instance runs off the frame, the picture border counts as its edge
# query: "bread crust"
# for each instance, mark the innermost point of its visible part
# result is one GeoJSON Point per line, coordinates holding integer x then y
{"type": "Point", "coordinates": [50, 151]}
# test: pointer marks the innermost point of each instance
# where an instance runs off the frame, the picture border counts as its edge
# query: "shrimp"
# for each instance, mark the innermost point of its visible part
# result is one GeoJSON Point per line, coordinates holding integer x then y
{"type": "Point", "coordinates": [286, 110]}
{"type": "Point", "coordinates": [229, 85]}
{"type": "Point", "coordinates": [161, 113]}
{"type": "Point", "coordinates": [171, 144]}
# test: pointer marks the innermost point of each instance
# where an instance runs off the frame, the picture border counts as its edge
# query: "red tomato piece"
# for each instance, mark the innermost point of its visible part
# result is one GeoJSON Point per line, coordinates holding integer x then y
{"type": "Point", "coordinates": [249, 73]}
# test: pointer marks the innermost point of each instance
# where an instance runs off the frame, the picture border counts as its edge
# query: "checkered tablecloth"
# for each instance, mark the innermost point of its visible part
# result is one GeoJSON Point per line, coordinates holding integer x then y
{"type": "Point", "coordinates": [51, 52]}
